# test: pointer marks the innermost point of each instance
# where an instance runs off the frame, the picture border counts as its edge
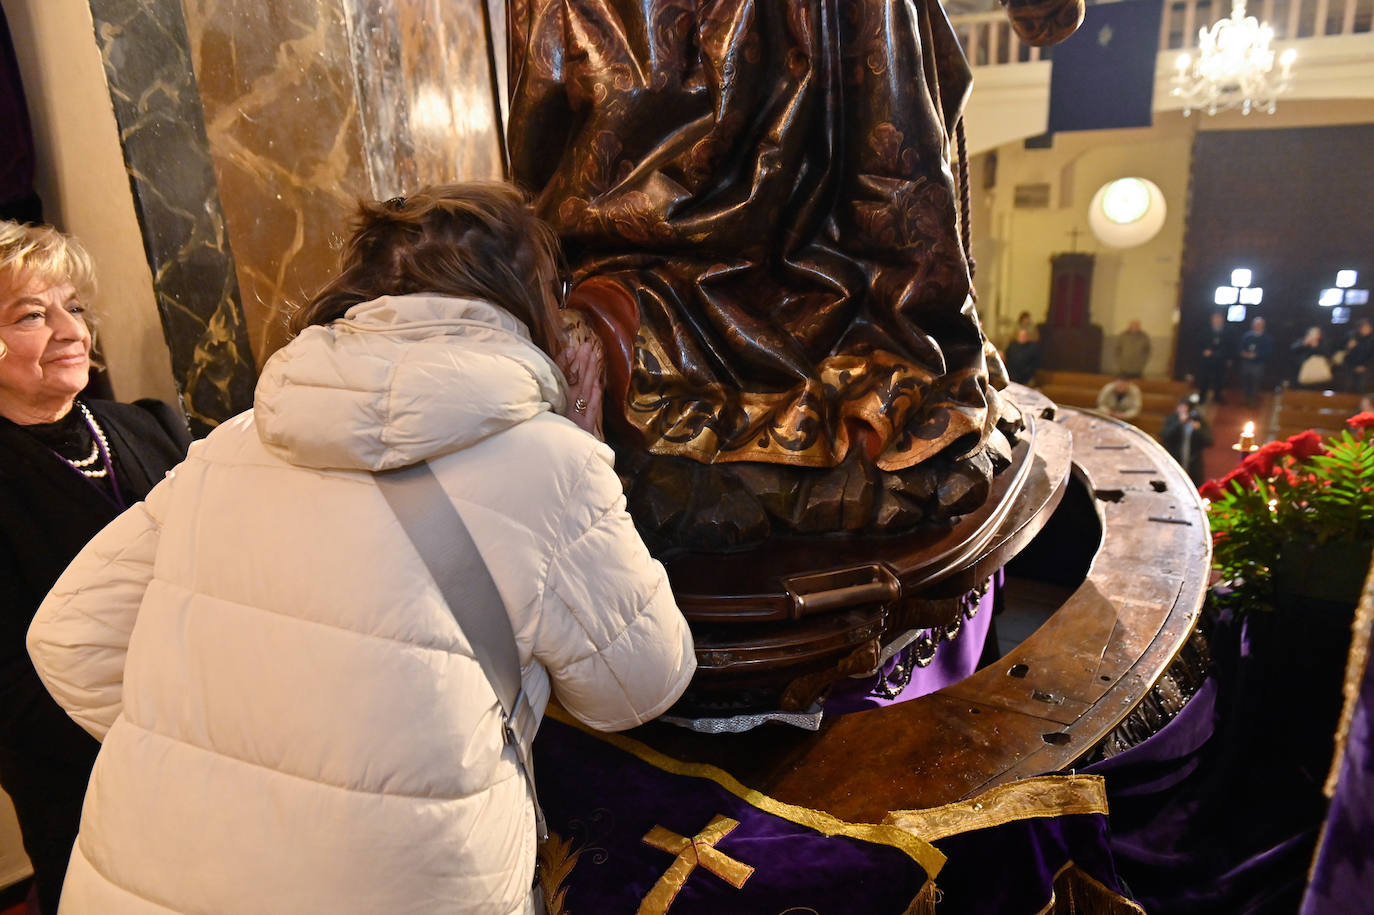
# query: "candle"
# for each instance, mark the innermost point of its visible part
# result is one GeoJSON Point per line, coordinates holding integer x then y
{"type": "Point", "coordinates": [1247, 438]}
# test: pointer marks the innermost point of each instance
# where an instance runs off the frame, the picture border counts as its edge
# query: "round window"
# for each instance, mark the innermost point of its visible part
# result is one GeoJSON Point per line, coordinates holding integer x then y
{"type": "Point", "coordinates": [1127, 212]}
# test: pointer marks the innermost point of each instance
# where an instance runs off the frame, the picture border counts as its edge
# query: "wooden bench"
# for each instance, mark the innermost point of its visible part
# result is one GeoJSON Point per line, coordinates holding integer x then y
{"type": "Point", "coordinates": [1323, 411]}
{"type": "Point", "coordinates": [1348, 404]}
{"type": "Point", "coordinates": [1154, 407]}
{"type": "Point", "coordinates": [1175, 389]}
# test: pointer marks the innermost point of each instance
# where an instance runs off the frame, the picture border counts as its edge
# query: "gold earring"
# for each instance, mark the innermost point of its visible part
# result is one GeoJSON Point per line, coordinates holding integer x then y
{"type": "Point", "coordinates": [4, 350]}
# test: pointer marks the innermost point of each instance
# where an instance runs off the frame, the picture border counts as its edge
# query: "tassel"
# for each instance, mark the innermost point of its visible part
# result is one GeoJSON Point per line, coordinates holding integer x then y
{"type": "Point", "coordinates": [924, 903]}
{"type": "Point", "coordinates": [1077, 893]}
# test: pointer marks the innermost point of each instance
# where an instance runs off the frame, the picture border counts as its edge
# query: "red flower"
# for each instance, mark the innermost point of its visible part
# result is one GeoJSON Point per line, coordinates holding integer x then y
{"type": "Point", "coordinates": [1241, 475]}
{"type": "Point", "coordinates": [1306, 444]}
{"type": "Point", "coordinates": [1211, 490]}
{"type": "Point", "coordinates": [1262, 461]}
{"type": "Point", "coordinates": [1361, 420]}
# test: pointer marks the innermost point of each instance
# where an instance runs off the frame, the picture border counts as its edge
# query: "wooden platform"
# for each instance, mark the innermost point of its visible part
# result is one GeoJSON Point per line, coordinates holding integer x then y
{"type": "Point", "coordinates": [1049, 702]}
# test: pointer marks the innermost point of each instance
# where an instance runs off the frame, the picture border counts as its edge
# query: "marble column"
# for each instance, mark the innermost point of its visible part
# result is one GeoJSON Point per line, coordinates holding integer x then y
{"type": "Point", "coordinates": [259, 125]}
{"type": "Point", "coordinates": [313, 104]}
{"type": "Point", "coordinates": [145, 50]}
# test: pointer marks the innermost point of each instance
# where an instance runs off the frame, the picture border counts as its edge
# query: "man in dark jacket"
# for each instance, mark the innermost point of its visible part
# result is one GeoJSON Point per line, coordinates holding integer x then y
{"type": "Point", "coordinates": [1216, 352]}
{"type": "Point", "coordinates": [1185, 436]}
{"type": "Point", "coordinates": [1252, 356]}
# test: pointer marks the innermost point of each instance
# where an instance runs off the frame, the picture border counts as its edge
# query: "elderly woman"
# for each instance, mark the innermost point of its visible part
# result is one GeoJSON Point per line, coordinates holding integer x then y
{"type": "Point", "coordinates": [68, 467]}
{"type": "Point", "coordinates": [292, 719]}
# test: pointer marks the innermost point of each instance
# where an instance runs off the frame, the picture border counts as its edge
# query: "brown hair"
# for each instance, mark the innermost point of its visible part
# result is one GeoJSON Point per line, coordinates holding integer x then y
{"type": "Point", "coordinates": [478, 239]}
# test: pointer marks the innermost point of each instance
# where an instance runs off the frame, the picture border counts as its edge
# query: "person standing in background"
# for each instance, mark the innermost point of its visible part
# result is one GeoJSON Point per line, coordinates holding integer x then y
{"type": "Point", "coordinates": [1022, 358]}
{"type": "Point", "coordinates": [1132, 351]}
{"type": "Point", "coordinates": [1310, 366]}
{"type": "Point", "coordinates": [1185, 436]}
{"type": "Point", "coordinates": [1211, 376]}
{"type": "Point", "coordinates": [1253, 355]}
{"type": "Point", "coordinates": [1023, 322]}
{"type": "Point", "coordinates": [1359, 358]}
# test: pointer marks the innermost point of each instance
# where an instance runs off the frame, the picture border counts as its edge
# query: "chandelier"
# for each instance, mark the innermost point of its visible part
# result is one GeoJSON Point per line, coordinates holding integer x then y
{"type": "Point", "coordinates": [1234, 67]}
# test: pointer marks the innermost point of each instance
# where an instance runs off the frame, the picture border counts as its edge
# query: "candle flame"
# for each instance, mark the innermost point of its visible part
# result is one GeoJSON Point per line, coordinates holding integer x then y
{"type": "Point", "coordinates": [1249, 429]}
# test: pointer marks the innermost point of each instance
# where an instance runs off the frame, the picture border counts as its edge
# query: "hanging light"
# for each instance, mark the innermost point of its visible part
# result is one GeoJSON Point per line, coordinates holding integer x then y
{"type": "Point", "coordinates": [1234, 67]}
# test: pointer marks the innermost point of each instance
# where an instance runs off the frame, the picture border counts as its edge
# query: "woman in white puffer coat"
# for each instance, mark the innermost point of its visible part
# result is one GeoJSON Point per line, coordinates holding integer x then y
{"type": "Point", "coordinates": [292, 721]}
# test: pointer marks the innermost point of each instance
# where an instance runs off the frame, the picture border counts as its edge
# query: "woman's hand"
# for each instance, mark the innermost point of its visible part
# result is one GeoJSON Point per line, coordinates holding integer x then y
{"type": "Point", "coordinates": [582, 367]}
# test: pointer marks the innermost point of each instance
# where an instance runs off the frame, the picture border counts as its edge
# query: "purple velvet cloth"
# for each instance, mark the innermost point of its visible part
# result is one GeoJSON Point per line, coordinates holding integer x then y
{"type": "Point", "coordinates": [954, 660]}
{"type": "Point", "coordinates": [1219, 811]}
{"type": "Point", "coordinates": [1010, 869]}
{"type": "Point", "coordinates": [1343, 880]}
{"type": "Point", "coordinates": [605, 800]}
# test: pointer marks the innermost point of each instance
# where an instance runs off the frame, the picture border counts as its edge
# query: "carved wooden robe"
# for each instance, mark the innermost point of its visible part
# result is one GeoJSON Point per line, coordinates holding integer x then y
{"type": "Point", "coordinates": [757, 203]}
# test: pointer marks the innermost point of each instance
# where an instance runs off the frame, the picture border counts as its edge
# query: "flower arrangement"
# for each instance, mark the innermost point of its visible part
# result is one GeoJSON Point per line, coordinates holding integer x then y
{"type": "Point", "coordinates": [1288, 503]}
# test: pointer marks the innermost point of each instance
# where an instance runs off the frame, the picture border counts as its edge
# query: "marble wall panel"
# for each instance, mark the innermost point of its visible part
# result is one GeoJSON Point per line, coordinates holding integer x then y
{"type": "Point", "coordinates": [251, 129]}
{"type": "Point", "coordinates": [277, 85]}
{"type": "Point", "coordinates": [424, 87]}
{"type": "Point", "coordinates": [312, 104]}
{"type": "Point", "coordinates": [145, 50]}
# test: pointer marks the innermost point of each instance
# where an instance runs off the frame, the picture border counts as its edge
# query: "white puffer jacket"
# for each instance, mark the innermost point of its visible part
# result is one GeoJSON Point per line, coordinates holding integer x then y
{"type": "Point", "coordinates": [292, 720]}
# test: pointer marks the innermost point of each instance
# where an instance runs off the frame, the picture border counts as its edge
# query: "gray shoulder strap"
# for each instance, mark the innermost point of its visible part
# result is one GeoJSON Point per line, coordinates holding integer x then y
{"type": "Point", "coordinates": [442, 539]}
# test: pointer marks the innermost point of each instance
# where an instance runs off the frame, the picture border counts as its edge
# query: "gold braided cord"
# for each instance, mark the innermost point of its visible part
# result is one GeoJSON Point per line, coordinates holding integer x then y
{"type": "Point", "coordinates": [930, 858]}
{"type": "Point", "coordinates": [1042, 796]}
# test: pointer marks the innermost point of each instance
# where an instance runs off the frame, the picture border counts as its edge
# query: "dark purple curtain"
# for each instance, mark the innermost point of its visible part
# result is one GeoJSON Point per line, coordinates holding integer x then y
{"type": "Point", "coordinates": [1017, 868]}
{"type": "Point", "coordinates": [1220, 810]}
{"type": "Point", "coordinates": [1344, 874]}
{"type": "Point", "coordinates": [18, 199]}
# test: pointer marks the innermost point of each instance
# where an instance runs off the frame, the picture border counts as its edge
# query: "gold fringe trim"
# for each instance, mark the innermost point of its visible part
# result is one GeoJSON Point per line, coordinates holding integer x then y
{"type": "Point", "coordinates": [1076, 892]}
{"type": "Point", "coordinates": [924, 903]}
{"type": "Point", "coordinates": [930, 858]}
{"type": "Point", "coordinates": [1042, 796]}
{"type": "Point", "coordinates": [1354, 676]}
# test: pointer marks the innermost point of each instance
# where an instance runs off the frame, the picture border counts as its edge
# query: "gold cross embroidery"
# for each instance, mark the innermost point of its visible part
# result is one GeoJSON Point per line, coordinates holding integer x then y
{"type": "Point", "coordinates": [700, 849]}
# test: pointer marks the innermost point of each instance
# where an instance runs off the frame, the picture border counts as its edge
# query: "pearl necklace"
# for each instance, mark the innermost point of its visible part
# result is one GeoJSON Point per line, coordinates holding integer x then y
{"type": "Point", "coordinates": [100, 446]}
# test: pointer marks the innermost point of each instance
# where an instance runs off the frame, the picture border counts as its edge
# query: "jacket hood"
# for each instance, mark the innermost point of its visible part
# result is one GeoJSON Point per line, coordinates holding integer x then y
{"type": "Point", "coordinates": [402, 379]}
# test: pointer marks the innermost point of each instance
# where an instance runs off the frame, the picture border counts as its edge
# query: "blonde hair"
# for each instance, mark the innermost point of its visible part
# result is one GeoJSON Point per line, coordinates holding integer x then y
{"type": "Point", "coordinates": [33, 252]}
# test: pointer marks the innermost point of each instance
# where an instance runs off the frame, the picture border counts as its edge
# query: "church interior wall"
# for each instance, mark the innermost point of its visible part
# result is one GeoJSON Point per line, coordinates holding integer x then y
{"type": "Point", "coordinates": [1013, 246]}
{"type": "Point", "coordinates": [1313, 219]}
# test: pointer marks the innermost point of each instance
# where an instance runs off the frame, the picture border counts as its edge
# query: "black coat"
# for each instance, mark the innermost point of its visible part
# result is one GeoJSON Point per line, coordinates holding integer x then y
{"type": "Point", "coordinates": [1022, 361]}
{"type": "Point", "coordinates": [48, 512]}
{"type": "Point", "coordinates": [1171, 436]}
{"type": "Point", "coordinates": [1216, 343]}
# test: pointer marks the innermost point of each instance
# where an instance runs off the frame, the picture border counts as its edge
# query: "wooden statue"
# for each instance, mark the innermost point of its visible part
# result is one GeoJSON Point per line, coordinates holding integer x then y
{"type": "Point", "coordinates": [764, 229]}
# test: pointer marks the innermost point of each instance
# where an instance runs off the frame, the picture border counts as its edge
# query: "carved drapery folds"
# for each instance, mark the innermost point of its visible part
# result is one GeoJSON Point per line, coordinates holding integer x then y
{"type": "Point", "coordinates": [757, 203]}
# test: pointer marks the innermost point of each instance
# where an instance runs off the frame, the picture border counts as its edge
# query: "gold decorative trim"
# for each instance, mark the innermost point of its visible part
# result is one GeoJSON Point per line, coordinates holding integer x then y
{"type": "Point", "coordinates": [1354, 677]}
{"type": "Point", "coordinates": [1042, 796]}
{"type": "Point", "coordinates": [930, 858]}
{"type": "Point", "coordinates": [1076, 892]}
